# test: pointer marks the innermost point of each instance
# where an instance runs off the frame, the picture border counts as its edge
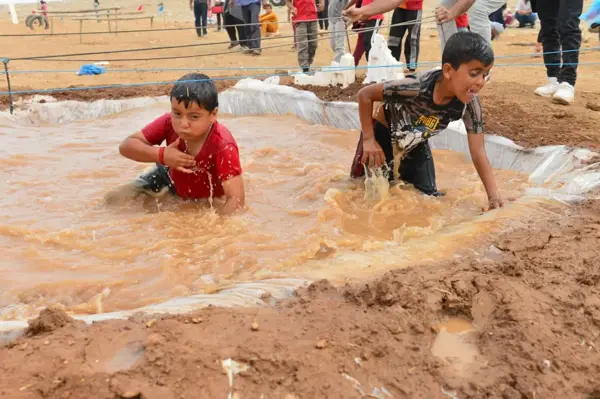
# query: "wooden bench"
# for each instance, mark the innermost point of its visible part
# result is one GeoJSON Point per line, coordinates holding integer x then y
{"type": "Point", "coordinates": [116, 18]}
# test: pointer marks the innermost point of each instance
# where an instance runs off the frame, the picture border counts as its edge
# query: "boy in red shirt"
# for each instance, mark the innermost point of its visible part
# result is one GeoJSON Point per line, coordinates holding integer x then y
{"type": "Point", "coordinates": [304, 17]}
{"type": "Point", "coordinates": [201, 159]}
{"type": "Point", "coordinates": [409, 11]}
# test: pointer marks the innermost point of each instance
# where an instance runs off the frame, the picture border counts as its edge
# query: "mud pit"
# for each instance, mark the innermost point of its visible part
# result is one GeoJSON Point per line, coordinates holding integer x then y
{"type": "Point", "coordinates": [66, 245]}
{"type": "Point", "coordinates": [529, 296]}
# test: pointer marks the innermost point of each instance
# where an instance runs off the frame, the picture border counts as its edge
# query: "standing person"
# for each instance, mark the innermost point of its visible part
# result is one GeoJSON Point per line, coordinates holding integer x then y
{"type": "Point", "coordinates": [337, 29]}
{"type": "Point", "coordinates": [304, 16]}
{"type": "Point", "coordinates": [323, 16]}
{"type": "Point", "coordinates": [524, 14]}
{"type": "Point", "coordinates": [217, 9]}
{"type": "Point", "coordinates": [250, 12]}
{"type": "Point", "coordinates": [44, 8]}
{"type": "Point", "coordinates": [232, 16]}
{"type": "Point", "coordinates": [357, 26]}
{"type": "Point", "coordinates": [410, 11]}
{"type": "Point", "coordinates": [200, 9]}
{"type": "Point", "coordinates": [478, 11]}
{"type": "Point", "coordinates": [561, 41]}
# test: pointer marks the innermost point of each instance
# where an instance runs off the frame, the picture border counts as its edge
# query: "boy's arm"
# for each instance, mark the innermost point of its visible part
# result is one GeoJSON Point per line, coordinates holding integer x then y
{"type": "Point", "coordinates": [473, 119]}
{"type": "Point", "coordinates": [291, 9]}
{"type": "Point", "coordinates": [484, 169]}
{"type": "Point", "coordinates": [321, 5]}
{"type": "Point", "coordinates": [138, 148]}
{"type": "Point", "coordinates": [350, 4]}
{"type": "Point", "coordinates": [372, 153]}
{"type": "Point", "coordinates": [235, 195]}
{"type": "Point", "coordinates": [229, 171]}
{"type": "Point", "coordinates": [444, 15]}
{"type": "Point", "coordinates": [393, 92]}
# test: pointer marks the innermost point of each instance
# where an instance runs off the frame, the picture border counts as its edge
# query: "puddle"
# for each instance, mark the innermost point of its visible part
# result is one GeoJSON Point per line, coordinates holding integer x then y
{"type": "Point", "coordinates": [63, 244]}
{"type": "Point", "coordinates": [125, 358]}
{"type": "Point", "coordinates": [455, 344]}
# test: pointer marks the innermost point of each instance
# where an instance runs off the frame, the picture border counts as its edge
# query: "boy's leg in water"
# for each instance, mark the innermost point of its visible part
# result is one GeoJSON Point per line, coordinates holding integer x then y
{"type": "Point", "coordinates": [155, 182]}
{"type": "Point", "coordinates": [417, 168]}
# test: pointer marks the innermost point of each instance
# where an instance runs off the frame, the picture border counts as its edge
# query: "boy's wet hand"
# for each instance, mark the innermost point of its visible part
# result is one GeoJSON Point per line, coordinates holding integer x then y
{"type": "Point", "coordinates": [372, 153]}
{"type": "Point", "coordinates": [494, 203]}
{"type": "Point", "coordinates": [178, 160]}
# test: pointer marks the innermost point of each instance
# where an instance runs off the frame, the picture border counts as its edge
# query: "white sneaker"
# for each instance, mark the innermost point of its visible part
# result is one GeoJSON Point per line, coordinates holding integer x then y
{"type": "Point", "coordinates": [565, 94]}
{"type": "Point", "coordinates": [548, 89]}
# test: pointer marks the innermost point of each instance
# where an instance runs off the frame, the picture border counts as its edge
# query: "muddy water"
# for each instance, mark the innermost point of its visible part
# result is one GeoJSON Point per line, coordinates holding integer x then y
{"type": "Point", "coordinates": [61, 243]}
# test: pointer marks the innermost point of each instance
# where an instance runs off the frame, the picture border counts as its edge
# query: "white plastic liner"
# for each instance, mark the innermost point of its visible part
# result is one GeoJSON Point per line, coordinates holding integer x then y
{"type": "Point", "coordinates": [558, 172]}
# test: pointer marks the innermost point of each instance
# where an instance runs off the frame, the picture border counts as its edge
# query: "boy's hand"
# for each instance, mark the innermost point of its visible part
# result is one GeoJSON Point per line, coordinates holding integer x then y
{"type": "Point", "coordinates": [495, 203]}
{"type": "Point", "coordinates": [372, 153]}
{"type": "Point", "coordinates": [178, 160]}
{"type": "Point", "coordinates": [293, 11]}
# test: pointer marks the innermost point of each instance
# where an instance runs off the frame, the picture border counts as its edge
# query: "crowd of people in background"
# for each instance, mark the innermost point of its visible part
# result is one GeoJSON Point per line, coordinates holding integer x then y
{"type": "Point", "coordinates": [559, 36]}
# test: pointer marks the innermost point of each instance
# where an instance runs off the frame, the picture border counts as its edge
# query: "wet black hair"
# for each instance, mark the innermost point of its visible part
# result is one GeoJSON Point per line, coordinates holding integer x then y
{"type": "Point", "coordinates": [197, 88]}
{"type": "Point", "coordinates": [463, 47]}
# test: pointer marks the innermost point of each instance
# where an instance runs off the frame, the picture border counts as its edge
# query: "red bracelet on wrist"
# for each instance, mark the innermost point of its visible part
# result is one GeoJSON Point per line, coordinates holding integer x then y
{"type": "Point", "coordinates": [161, 155]}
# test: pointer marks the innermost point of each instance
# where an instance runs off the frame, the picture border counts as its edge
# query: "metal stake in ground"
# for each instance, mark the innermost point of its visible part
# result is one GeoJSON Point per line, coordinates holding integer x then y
{"type": "Point", "coordinates": [10, 97]}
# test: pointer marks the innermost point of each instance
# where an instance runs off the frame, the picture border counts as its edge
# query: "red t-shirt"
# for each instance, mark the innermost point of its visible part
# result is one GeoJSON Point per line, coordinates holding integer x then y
{"type": "Point", "coordinates": [367, 2]}
{"type": "Point", "coordinates": [462, 21]}
{"type": "Point", "coordinates": [413, 5]}
{"type": "Point", "coordinates": [306, 10]}
{"type": "Point", "coordinates": [217, 161]}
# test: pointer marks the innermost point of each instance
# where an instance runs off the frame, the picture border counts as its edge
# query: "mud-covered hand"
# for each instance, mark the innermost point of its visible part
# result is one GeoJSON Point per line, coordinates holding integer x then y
{"type": "Point", "coordinates": [373, 155]}
{"type": "Point", "coordinates": [494, 203]}
{"type": "Point", "coordinates": [173, 158]}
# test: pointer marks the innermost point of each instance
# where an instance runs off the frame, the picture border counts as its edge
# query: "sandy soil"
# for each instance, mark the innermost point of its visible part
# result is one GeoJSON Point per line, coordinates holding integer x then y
{"type": "Point", "coordinates": [533, 303]}
{"type": "Point", "coordinates": [534, 306]}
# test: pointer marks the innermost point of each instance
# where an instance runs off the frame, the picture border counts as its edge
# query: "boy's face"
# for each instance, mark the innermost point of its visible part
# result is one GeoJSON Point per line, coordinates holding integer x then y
{"type": "Point", "coordinates": [467, 80]}
{"type": "Point", "coordinates": [267, 8]}
{"type": "Point", "coordinates": [191, 123]}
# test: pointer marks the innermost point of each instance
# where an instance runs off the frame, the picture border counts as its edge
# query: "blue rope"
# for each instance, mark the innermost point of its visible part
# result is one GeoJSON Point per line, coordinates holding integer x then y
{"type": "Point", "coordinates": [331, 68]}
{"type": "Point", "coordinates": [226, 78]}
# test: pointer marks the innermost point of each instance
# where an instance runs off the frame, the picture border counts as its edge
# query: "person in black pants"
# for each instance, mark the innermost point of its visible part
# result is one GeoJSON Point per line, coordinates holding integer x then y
{"type": "Point", "coordinates": [200, 8]}
{"type": "Point", "coordinates": [413, 36]}
{"type": "Point", "coordinates": [234, 25]}
{"type": "Point", "coordinates": [323, 16]}
{"type": "Point", "coordinates": [561, 41]}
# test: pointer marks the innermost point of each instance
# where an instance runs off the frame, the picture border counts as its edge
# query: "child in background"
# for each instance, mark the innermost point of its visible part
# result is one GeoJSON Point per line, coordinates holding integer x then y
{"type": "Point", "coordinates": [304, 16]}
{"type": "Point", "coordinates": [217, 10]}
{"type": "Point", "coordinates": [44, 8]}
{"type": "Point", "coordinates": [269, 24]}
{"type": "Point", "coordinates": [200, 9]}
{"type": "Point", "coordinates": [524, 14]}
{"type": "Point", "coordinates": [419, 107]}
{"type": "Point", "coordinates": [409, 11]}
{"type": "Point", "coordinates": [201, 158]}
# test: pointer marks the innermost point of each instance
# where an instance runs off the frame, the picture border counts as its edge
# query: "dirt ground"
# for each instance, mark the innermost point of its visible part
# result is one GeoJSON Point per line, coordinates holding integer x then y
{"type": "Point", "coordinates": [534, 301]}
{"type": "Point", "coordinates": [534, 305]}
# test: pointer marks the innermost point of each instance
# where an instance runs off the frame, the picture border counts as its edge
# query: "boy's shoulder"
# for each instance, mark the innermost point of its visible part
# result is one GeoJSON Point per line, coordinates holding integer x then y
{"type": "Point", "coordinates": [222, 137]}
{"type": "Point", "coordinates": [420, 82]}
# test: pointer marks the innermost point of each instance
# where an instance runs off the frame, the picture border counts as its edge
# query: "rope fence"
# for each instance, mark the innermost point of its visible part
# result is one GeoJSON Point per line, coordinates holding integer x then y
{"type": "Point", "coordinates": [60, 57]}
